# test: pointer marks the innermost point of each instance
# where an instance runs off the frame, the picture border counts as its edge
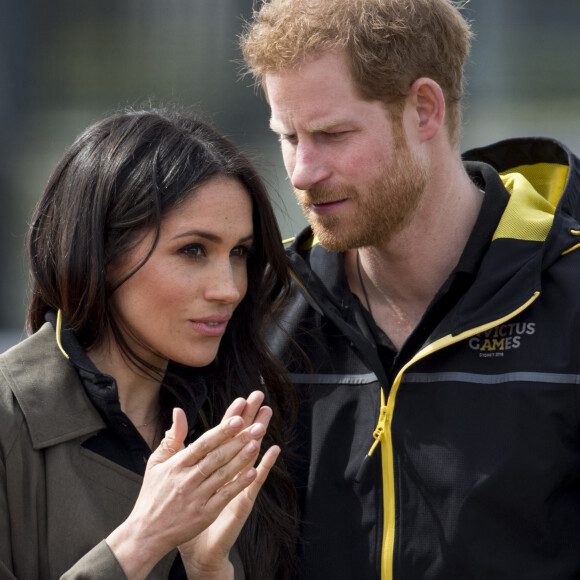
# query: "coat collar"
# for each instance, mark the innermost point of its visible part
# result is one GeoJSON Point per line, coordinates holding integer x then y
{"type": "Point", "coordinates": [49, 391]}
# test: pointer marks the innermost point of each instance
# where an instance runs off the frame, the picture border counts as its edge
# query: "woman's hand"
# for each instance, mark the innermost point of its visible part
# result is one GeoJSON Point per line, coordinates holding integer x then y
{"type": "Point", "coordinates": [207, 555]}
{"type": "Point", "coordinates": [185, 489]}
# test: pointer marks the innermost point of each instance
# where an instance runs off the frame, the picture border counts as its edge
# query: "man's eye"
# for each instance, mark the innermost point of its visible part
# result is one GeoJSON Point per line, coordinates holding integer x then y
{"type": "Point", "coordinates": [288, 139]}
{"type": "Point", "coordinates": [335, 134]}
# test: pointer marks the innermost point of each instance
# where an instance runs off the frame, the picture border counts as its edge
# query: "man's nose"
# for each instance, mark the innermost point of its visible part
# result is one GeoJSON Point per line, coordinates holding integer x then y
{"type": "Point", "coordinates": [309, 168]}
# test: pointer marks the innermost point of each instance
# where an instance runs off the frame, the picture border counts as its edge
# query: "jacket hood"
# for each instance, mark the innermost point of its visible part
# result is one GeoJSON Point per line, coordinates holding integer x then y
{"type": "Point", "coordinates": [548, 166]}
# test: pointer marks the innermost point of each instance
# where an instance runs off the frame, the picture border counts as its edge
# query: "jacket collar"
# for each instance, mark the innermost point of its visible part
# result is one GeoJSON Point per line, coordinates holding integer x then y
{"type": "Point", "coordinates": [49, 391]}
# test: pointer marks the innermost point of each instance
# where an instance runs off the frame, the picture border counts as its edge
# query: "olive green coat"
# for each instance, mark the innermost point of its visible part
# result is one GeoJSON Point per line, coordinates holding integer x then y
{"type": "Point", "coordinates": [58, 501]}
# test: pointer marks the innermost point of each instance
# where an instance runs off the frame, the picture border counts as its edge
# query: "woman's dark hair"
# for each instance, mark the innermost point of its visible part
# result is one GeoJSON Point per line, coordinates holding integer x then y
{"type": "Point", "coordinates": [116, 182]}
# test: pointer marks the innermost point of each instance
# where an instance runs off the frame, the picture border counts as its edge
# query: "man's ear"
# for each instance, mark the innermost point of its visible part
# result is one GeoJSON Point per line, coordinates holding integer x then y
{"type": "Point", "coordinates": [429, 104]}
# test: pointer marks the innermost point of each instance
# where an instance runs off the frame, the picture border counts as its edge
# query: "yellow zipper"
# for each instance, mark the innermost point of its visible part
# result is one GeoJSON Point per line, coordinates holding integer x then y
{"type": "Point", "coordinates": [382, 434]}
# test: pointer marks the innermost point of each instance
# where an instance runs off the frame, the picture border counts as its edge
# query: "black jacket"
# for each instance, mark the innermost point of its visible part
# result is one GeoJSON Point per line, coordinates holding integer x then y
{"type": "Point", "coordinates": [476, 472]}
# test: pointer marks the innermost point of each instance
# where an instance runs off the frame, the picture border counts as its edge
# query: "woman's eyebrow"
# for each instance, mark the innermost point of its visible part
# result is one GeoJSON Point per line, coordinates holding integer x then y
{"type": "Point", "coordinates": [209, 236]}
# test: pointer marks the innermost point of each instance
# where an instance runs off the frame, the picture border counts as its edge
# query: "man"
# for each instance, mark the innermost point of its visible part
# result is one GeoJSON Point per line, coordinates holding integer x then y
{"type": "Point", "coordinates": [434, 330]}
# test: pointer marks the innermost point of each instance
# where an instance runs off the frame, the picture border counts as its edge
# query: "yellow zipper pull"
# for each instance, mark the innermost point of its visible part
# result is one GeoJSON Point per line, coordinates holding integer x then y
{"type": "Point", "coordinates": [378, 435]}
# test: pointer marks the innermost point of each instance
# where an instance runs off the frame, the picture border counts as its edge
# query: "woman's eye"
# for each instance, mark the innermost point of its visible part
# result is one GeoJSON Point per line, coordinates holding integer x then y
{"type": "Point", "coordinates": [193, 250]}
{"type": "Point", "coordinates": [241, 251]}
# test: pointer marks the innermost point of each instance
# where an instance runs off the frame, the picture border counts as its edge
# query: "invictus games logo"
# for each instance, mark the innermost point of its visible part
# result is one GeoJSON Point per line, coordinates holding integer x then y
{"type": "Point", "coordinates": [498, 340]}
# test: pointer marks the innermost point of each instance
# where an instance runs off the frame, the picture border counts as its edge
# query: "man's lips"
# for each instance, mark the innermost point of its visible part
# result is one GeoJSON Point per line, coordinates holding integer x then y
{"type": "Point", "coordinates": [328, 207]}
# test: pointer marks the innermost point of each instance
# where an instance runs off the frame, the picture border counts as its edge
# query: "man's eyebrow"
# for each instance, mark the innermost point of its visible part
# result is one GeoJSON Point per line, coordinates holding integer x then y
{"type": "Point", "coordinates": [316, 127]}
{"type": "Point", "coordinates": [328, 124]}
{"type": "Point", "coordinates": [275, 127]}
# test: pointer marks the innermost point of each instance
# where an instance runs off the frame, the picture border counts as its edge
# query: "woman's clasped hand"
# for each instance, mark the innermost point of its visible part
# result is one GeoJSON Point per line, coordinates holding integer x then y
{"type": "Point", "coordinates": [197, 497]}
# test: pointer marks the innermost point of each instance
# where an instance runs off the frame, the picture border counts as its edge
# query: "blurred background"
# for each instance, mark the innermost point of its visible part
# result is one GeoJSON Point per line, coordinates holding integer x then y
{"type": "Point", "coordinates": [67, 63]}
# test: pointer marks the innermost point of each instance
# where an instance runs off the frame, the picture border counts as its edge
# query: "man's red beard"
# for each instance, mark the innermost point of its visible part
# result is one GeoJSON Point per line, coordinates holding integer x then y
{"type": "Point", "coordinates": [378, 212]}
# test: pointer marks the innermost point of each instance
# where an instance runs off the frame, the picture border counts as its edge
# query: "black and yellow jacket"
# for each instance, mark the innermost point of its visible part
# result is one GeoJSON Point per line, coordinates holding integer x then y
{"type": "Point", "coordinates": [470, 435]}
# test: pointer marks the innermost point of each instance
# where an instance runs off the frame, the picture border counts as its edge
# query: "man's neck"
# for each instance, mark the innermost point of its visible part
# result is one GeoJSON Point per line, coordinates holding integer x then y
{"type": "Point", "coordinates": [397, 281]}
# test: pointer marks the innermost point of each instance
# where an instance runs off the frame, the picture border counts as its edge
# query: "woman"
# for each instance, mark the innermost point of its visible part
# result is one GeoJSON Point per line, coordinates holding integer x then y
{"type": "Point", "coordinates": [155, 261]}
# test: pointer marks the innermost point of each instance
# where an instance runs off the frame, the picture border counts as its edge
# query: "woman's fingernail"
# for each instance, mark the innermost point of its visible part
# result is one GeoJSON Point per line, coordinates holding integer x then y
{"type": "Point", "coordinates": [251, 448]}
{"type": "Point", "coordinates": [257, 429]}
{"type": "Point", "coordinates": [235, 422]}
{"type": "Point", "coordinates": [250, 474]}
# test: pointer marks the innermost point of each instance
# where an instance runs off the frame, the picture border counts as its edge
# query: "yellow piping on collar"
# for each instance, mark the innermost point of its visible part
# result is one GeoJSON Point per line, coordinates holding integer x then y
{"type": "Point", "coordinates": [309, 243]}
{"type": "Point", "coordinates": [58, 331]}
{"type": "Point", "coordinates": [576, 247]}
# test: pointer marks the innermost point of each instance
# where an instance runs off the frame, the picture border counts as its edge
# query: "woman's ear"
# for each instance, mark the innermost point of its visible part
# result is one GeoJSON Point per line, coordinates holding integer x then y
{"type": "Point", "coordinates": [428, 101]}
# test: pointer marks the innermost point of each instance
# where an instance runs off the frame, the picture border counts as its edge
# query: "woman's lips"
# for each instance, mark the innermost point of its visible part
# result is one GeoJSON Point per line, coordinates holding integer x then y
{"type": "Point", "coordinates": [211, 326]}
